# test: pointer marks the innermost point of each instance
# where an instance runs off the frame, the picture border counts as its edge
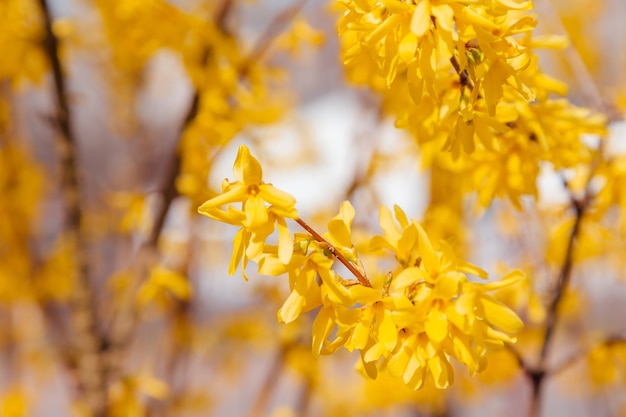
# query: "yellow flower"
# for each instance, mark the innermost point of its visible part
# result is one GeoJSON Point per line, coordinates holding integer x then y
{"type": "Point", "coordinates": [436, 311]}
{"type": "Point", "coordinates": [250, 190]}
{"type": "Point", "coordinates": [257, 220]}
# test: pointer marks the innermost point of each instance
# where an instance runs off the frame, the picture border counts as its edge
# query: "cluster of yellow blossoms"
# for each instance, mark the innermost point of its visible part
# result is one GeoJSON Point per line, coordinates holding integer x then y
{"type": "Point", "coordinates": [411, 321]}
{"type": "Point", "coordinates": [462, 77]}
{"type": "Point", "coordinates": [232, 86]}
{"type": "Point", "coordinates": [20, 39]}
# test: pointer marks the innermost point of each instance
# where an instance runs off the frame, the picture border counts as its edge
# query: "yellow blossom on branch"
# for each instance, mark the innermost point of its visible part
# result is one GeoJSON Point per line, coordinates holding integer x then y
{"type": "Point", "coordinates": [411, 322]}
{"type": "Point", "coordinates": [257, 220]}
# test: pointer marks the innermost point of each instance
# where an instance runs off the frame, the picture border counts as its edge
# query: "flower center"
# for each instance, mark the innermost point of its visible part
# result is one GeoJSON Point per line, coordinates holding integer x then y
{"type": "Point", "coordinates": [253, 190]}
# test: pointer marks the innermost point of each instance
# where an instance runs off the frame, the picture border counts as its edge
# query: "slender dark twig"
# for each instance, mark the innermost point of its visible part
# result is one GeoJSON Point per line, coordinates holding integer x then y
{"type": "Point", "coordinates": [609, 341]}
{"type": "Point", "coordinates": [169, 191]}
{"type": "Point", "coordinates": [564, 280]}
{"type": "Point", "coordinates": [90, 346]}
{"type": "Point", "coordinates": [337, 254]}
{"type": "Point", "coordinates": [273, 29]}
{"type": "Point", "coordinates": [538, 375]}
{"type": "Point", "coordinates": [275, 371]}
{"type": "Point", "coordinates": [463, 75]}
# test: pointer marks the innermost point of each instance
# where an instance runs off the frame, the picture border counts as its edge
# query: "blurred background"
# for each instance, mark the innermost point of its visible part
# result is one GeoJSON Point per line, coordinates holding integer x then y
{"type": "Point", "coordinates": [114, 291]}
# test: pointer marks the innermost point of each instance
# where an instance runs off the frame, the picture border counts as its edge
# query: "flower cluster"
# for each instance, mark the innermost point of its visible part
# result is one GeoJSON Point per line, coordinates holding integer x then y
{"type": "Point", "coordinates": [411, 321]}
{"type": "Point", "coordinates": [257, 220]}
{"type": "Point", "coordinates": [20, 37]}
{"type": "Point", "coordinates": [462, 77]}
{"type": "Point", "coordinates": [232, 85]}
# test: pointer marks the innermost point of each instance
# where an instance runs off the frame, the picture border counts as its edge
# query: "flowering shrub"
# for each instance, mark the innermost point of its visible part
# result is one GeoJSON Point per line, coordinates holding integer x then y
{"type": "Point", "coordinates": [117, 115]}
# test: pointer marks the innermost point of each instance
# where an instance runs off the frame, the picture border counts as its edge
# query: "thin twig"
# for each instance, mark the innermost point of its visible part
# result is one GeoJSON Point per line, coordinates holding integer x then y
{"type": "Point", "coordinates": [276, 370]}
{"type": "Point", "coordinates": [336, 253]}
{"type": "Point", "coordinates": [610, 341]}
{"type": "Point", "coordinates": [463, 75]}
{"type": "Point", "coordinates": [588, 86]}
{"type": "Point", "coordinates": [564, 280]}
{"type": "Point", "coordinates": [90, 345]}
{"type": "Point", "coordinates": [169, 191]}
{"type": "Point", "coordinates": [537, 376]}
{"type": "Point", "coordinates": [275, 27]}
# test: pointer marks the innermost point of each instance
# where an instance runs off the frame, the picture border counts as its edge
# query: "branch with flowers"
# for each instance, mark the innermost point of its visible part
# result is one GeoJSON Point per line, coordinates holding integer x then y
{"type": "Point", "coordinates": [410, 321]}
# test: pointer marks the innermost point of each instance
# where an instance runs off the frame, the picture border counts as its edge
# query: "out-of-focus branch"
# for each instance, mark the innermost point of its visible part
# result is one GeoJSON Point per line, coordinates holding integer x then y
{"type": "Point", "coordinates": [275, 27]}
{"type": "Point", "coordinates": [88, 343]}
{"type": "Point", "coordinates": [463, 75]}
{"type": "Point", "coordinates": [271, 380]}
{"type": "Point", "coordinates": [608, 342]}
{"type": "Point", "coordinates": [168, 190]}
{"type": "Point", "coordinates": [564, 277]}
{"type": "Point", "coordinates": [588, 86]}
{"type": "Point", "coordinates": [537, 376]}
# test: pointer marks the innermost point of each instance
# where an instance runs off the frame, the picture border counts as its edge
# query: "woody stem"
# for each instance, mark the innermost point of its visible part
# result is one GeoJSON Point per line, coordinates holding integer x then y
{"type": "Point", "coordinates": [336, 253]}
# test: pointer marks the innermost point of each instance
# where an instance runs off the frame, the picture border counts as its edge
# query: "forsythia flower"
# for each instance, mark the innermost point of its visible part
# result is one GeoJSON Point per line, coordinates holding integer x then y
{"type": "Point", "coordinates": [257, 219]}
{"type": "Point", "coordinates": [411, 322]}
{"type": "Point", "coordinates": [462, 78]}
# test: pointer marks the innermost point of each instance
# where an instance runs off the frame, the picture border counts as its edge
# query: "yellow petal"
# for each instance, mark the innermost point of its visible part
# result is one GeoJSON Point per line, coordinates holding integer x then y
{"type": "Point", "coordinates": [447, 285]}
{"type": "Point", "coordinates": [336, 292]}
{"type": "Point", "coordinates": [285, 243]}
{"type": "Point", "coordinates": [173, 281]}
{"type": "Point", "coordinates": [407, 277]}
{"type": "Point", "coordinates": [387, 224]}
{"type": "Point", "coordinates": [445, 16]}
{"type": "Point", "coordinates": [468, 268]}
{"type": "Point", "coordinates": [401, 216]}
{"type": "Point", "coordinates": [322, 326]}
{"type": "Point", "coordinates": [238, 248]}
{"type": "Point", "coordinates": [369, 367]}
{"type": "Point", "coordinates": [429, 256]}
{"type": "Point", "coordinates": [378, 243]}
{"type": "Point", "coordinates": [247, 168]}
{"type": "Point", "coordinates": [464, 354]}
{"type": "Point", "coordinates": [399, 360]}
{"type": "Point", "coordinates": [500, 315]}
{"type": "Point", "coordinates": [339, 226]}
{"type": "Point", "coordinates": [466, 303]}
{"type": "Point", "coordinates": [387, 331]}
{"type": "Point", "coordinates": [421, 22]}
{"type": "Point", "coordinates": [231, 216]}
{"type": "Point", "coordinates": [511, 278]}
{"type": "Point", "coordinates": [413, 374]}
{"type": "Point", "coordinates": [271, 265]}
{"type": "Point", "coordinates": [373, 353]}
{"type": "Point", "coordinates": [406, 243]}
{"type": "Point", "coordinates": [237, 193]}
{"type": "Point", "coordinates": [436, 325]}
{"type": "Point", "coordinates": [359, 337]}
{"type": "Point", "coordinates": [364, 295]}
{"type": "Point", "coordinates": [256, 212]}
{"type": "Point", "coordinates": [292, 307]}
{"type": "Point", "coordinates": [276, 197]}
{"type": "Point", "coordinates": [441, 371]}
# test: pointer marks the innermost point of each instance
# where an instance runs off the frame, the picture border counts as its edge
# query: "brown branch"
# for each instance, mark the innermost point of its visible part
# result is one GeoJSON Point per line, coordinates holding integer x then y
{"type": "Point", "coordinates": [537, 376]}
{"type": "Point", "coordinates": [89, 344]}
{"type": "Point", "coordinates": [263, 397]}
{"type": "Point", "coordinates": [277, 24]}
{"type": "Point", "coordinates": [588, 86]}
{"type": "Point", "coordinates": [169, 191]}
{"type": "Point", "coordinates": [336, 253]}
{"type": "Point", "coordinates": [610, 341]}
{"type": "Point", "coordinates": [463, 75]}
{"type": "Point", "coordinates": [564, 279]}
